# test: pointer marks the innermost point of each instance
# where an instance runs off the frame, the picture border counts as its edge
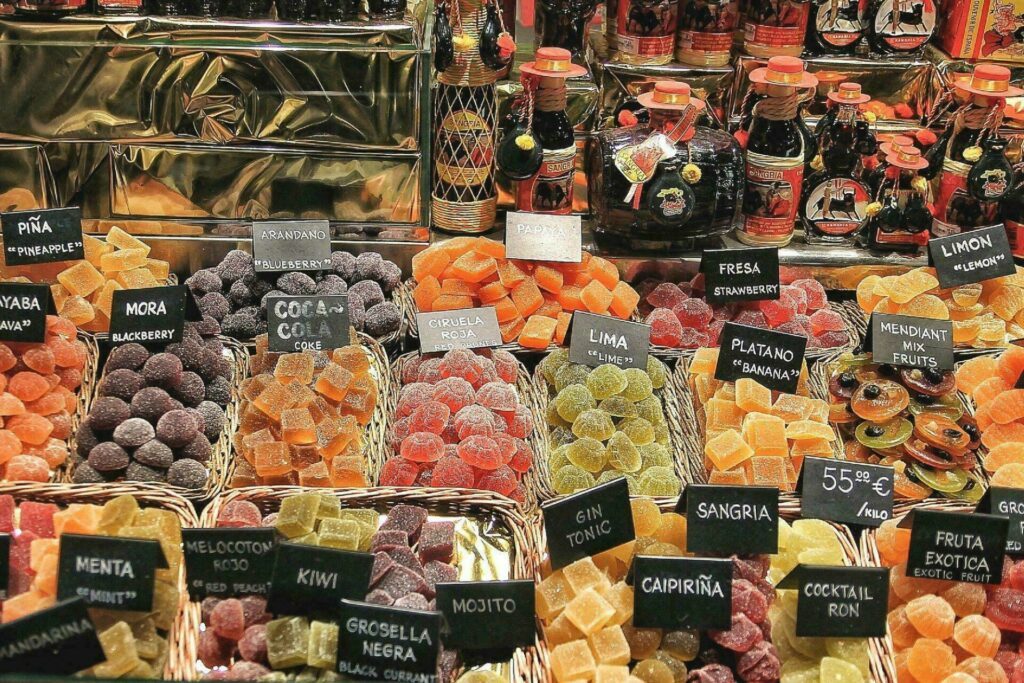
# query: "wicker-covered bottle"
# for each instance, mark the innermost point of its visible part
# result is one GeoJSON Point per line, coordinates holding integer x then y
{"type": "Point", "coordinates": [666, 185]}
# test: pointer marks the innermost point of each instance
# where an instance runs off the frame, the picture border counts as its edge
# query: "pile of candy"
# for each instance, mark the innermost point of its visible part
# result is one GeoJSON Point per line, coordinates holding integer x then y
{"type": "Point", "coordinates": [984, 315]}
{"type": "Point", "coordinates": [951, 631]}
{"type": "Point", "coordinates": [587, 613]}
{"type": "Point", "coordinates": [680, 317]}
{"type": "Point", "coordinates": [135, 644]}
{"type": "Point", "coordinates": [533, 300]}
{"type": "Point", "coordinates": [911, 419]}
{"type": "Point", "coordinates": [991, 383]}
{"type": "Point", "coordinates": [842, 660]}
{"type": "Point", "coordinates": [233, 293]}
{"type": "Point", "coordinates": [606, 423]}
{"type": "Point", "coordinates": [84, 290]}
{"type": "Point", "coordinates": [460, 423]}
{"type": "Point", "coordinates": [157, 415]}
{"type": "Point", "coordinates": [753, 435]}
{"type": "Point", "coordinates": [241, 641]}
{"type": "Point", "coordinates": [39, 384]}
{"type": "Point", "coordinates": [302, 418]}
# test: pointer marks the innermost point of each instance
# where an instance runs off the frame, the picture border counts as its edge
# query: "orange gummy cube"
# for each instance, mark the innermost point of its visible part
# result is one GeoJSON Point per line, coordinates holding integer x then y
{"type": "Point", "coordinates": [492, 292]}
{"type": "Point", "coordinates": [511, 329]}
{"type": "Point", "coordinates": [603, 271]}
{"type": "Point", "coordinates": [297, 426]}
{"type": "Point", "coordinates": [78, 310]}
{"type": "Point", "coordinates": [458, 287]}
{"type": "Point", "coordinates": [430, 262]}
{"type": "Point", "coordinates": [334, 382]}
{"type": "Point", "coordinates": [271, 458]}
{"type": "Point", "coordinates": [94, 248]}
{"type": "Point", "coordinates": [733, 477]}
{"type": "Point", "coordinates": [569, 298]}
{"type": "Point", "coordinates": [137, 278]}
{"type": "Point", "coordinates": [159, 268]}
{"type": "Point", "coordinates": [457, 246]}
{"type": "Point", "coordinates": [81, 279]}
{"type": "Point", "coordinates": [624, 300]}
{"type": "Point", "coordinates": [562, 328]}
{"type": "Point", "coordinates": [449, 302]}
{"type": "Point", "coordinates": [123, 259]}
{"type": "Point", "coordinates": [510, 274]}
{"type": "Point", "coordinates": [727, 450]}
{"type": "Point", "coordinates": [474, 267]}
{"type": "Point", "coordinates": [527, 298]}
{"type": "Point", "coordinates": [505, 310]}
{"type": "Point", "coordinates": [766, 435]}
{"type": "Point", "coordinates": [769, 471]}
{"type": "Point", "coordinates": [489, 247]}
{"type": "Point", "coordinates": [105, 296]}
{"type": "Point", "coordinates": [596, 297]}
{"type": "Point", "coordinates": [548, 278]}
{"type": "Point", "coordinates": [752, 397]}
{"type": "Point", "coordinates": [315, 474]}
{"type": "Point", "coordinates": [538, 332]}
{"type": "Point", "coordinates": [722, 414]}
{"type": "Point", "coordinates": [549, 309]}
{"type": "Point", "coordinates": [348, 471]}
{"type": "Point", "coordinates": [122, 240]}
{"type": "Point", "coordinates": [25, 604]}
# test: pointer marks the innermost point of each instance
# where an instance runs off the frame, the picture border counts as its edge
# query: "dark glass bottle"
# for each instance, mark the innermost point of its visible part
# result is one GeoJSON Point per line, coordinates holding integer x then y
{"type": "Point", "coordinates": [386, 9]}
{"type": "Point", "coordinates": [835, 27]}
{"type": "Point", "coordinates": [899, 26]}
{"type": "Point", "coordinates": [550, 190]}
{"type": "Point", "coordinates": [564, 23]}
{"type": "Point", "coordinates": [705, 32]}
{"type": "Point", "coordinates": [834, 208]}
{"type": "Point", "coordinates": [903, 221]}
{"type": "Point", "coordinates": [1011, 207]}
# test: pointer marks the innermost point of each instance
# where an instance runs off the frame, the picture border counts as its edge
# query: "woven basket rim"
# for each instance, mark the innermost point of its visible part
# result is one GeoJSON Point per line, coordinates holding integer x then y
{"type": "Point", "coordinates": [459, 501]}
{"type": "Point", "coordinates": [524, 387]}
{"type": "Point", "coordinates": [181, 647]}
{"type": "Point", "coordinates": [86, 395]}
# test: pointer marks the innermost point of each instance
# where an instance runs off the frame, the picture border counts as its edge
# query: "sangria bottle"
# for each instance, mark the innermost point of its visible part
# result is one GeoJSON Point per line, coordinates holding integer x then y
{"type": "Point", "coordinates": [899, 26]}
{"type": "Point", "coordinates": [706, 30]}
{"type": "Point", "coordinates": [835, 27]}
{"type": "Point", "coordinates": [775, 27]}
{"type": "Point", "coordinates": [564, 24]}
{"type": "Point", "coordinates": [776, 155]}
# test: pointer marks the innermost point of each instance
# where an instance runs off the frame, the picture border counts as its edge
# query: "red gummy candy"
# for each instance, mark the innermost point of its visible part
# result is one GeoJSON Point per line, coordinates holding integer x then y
{"type": "Point", "coordinates": [452, 472]}
{"type": "Point", "coordinates": [506, 365]}
{"type": "Point", "coordinates": [519, 422]}
{"type": "Point", "coordinates": [746, 599]}
{"type": "Point", "coordinates": [411, 369]}
{"type": "Point", "coordinates": [724, 312]}
{"type": "Point", "coordinates": [474, 421]}
{"type": "Point", "coordinates": [422, 447]}
{"type": "Point", "coordinates": [797, 295]}
{"type": "Point", "coordinates": [481, 451]}
{"type": "Point", "coordinates": [665, 327]}
{"type": "Point", "coordinates": [430, 371]}
{"type": "Point", "coordinates": [693, 313]}
{"type": "Point", "coordinates": [38, 518]}
{"type": "Point", "coordinates": [666, 295]}
{"type": "Point", "coordinates": [826, 320]}
{"type": "Point", "coordinates": [506, 447]}
{"type": "Point", "coordinates": [431, 417]}
{"type": "Point", "coordinates": [741, 636]}
{"type": "Point", "coordinates": [497, 396]}
{"type": "Point", "coordinates": [816, 297]}
{"type": "Point", "coordinates": [6, 514]}
{"type": "Point", "coordinates": [399, 472]}
{"type": "Point", "coordinates": [502, 481]}
{"type": "Point", "coordinates": [752, 318]}
{"type": "Point", "coordinates": [694, 339]}
{"type": "Point", "coordinates": [239, 514]}
{"type": "Point", "coordinates": [777, 312]}
{"type": "Point", "coordinates": [228, 619]}
{"type": "Point", "coordinates": [399, 430]}
{"type": "Point", "coordinates": [523, 458]}
{"type": "Point", "coordinates": [412, 397]}
{"type": "Point", "coordinates": [759, 664]}
{"type": "Point", "coordinates": [460, 363]}
{"type": "Point", "coordinates": [1006, 609]}
{"type": "Point", "coordinates": [454, 392]}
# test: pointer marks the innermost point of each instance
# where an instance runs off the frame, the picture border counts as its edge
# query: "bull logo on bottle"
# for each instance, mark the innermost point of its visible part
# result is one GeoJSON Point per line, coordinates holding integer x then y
{"type": "Point", "coordinates": [994, 183]}
{"type": "Point", "coordinates": [672, 202]}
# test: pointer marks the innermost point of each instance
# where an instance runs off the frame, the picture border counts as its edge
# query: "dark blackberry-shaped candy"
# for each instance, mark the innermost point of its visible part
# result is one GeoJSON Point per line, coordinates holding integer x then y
{"type": "Point", "coordinates": [241, 325]}
{"type": "Point", "coordinates": [356, 311]}
{"type": "Point", "coordinates": [188, 474]}
{"type": "Point", "coordinates": [219, 391]}
{"type": "Point", "coordinates": [204, 281]}
{"type": "Point", "coordinates": [265, 297]}
{"type": "Point", "coordinates": [127, 356]}
{"type": "Point", "coordinates": [198, 449]}
{"type": "Point", "coordinates": [86, 474]}
{"type": "Point", "coordinates": [163, 370]}
{"type": "Point", "coordinates": [207, 327]}
{"type": "Point", "coordinates": [214, 346]}
{"type": "Point", "coordinates": [108, 412]}
{"type": "Point", "coordinates": [367, 264]}
{"type": "Point", "coordinates": [139, 472]}
{"type": "Point", "coordinates": [108, 457]}
{"type": "Point", "coordinates": [235, 266]}
{"type": "Point", "coordinates": [192, 389]}
{"type": "Point", "coordinates": [150, 404]}
{"type": "Point", "coordinates": [85, 438]}
{"type": "Point", "coordinates": [331, 284]}
{"type": "Point", "coordinates": [390, 275]}
{"type": "Point", "coordinates": [240, 294]}
{"type": "Point", "coordinates": [133, 432]}
{"type": "Point", "coordinates": [214, 305]}
{"type": "Point", "coordinates": [122, 384]}
{"type": "Point", "coordinates": [369, 291]}
{"type": "Point", "coordinates": [296, 283]}
{"type": "Point", "coordinates": [154, 453]}
{"type": "Point", "coordinates": [382, 319]}
{"type": "Point", "coordinates": [176, 428]}
{"type": "Point", "coordinates": [344, 265]}
{"type": "Point", "coordinates": [191, 355]}
{"type": "Point", "coordinates": [213, 419]}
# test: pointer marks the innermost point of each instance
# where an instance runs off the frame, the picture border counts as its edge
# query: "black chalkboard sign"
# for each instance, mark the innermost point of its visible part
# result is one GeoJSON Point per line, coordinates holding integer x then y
{"type": "Point", "coordinates": [972, 256]}
{"type": "Point", "coordinates": [379, 643]}
{"type": "Point", "coordinates": [42, 236]}
{"type": "Point", "coordinates": [107, 572]}
{"type": "Point", "coordinates": [847, 492]}
{"type": "Point", "coordinates": [741, 520]}
{"type": "Point", "coordinates": [682, 593]}
{"type": "Point", "coordinates": [839, 602]}
{"type": "Point", "coordinates": [773, 359]}
{"type": "Point", "coordinates": [56, 641]}
{"type": "Point", "coordinates": [734, 275]}
{"type": "Point", "coordinates": [23, 309]}
{"type": "Point", "coordinates": [588, 522]}
{"type": "Point", "coordinates": [229, 562]}
{"type": "Point", "coordinates": [955, 546]}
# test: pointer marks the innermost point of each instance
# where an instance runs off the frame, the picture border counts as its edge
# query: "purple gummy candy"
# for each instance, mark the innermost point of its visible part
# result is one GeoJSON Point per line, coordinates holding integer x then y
{"type": "Point", "coordinates": [759, 664]}
{"type": "Point", "coordinates": [239, 513]}
{"type": "Point", "coordinates": [747, 599]}
{"type": "Point", "coordinates": [437, 540]}
{"type": "Point", "coordinates": [253, 644]}
{"type": "Point", "coordinates": [399, 581]}
{"type": "Point", "coordinates": [379, 597]}
{"type": "Point", "coordinates": [247, 671]}
{"type": "Point", "coordinates": [712, 673]}
{"type": "Point", "coordinates": [382, 540]}
{"type": "Point", "coordinates": [214, 650]}
{"type": "Point", "coordinates": [407, 518]}
{"type": "Point", "coordinates": [255, 609]}
{"type": "Point", "coordinates": [404, 556]}
{"type": "Point", "coordinates": [438, 572]}
{"type": "Point", "coordinates": [228, 619]}
{"type": "Point", "coordinates": [741, 636]}
{"type": "Point", "coordinates": [382, 562]}
{"type": "Point", "coordinates": [412, 601]}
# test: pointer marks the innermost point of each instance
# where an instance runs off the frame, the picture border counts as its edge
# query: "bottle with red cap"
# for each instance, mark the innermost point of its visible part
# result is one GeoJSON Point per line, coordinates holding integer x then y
{"type": "Point", "coordinates": [900, 217]}
{"type": "Point", "coordinates": [969, 158]}
{"type": "Point", "coordinates": [777, 150]}
{"type": "Point", "coordinates": [667, 184]}
{"type": "Point", "coordinates": [835, 199]}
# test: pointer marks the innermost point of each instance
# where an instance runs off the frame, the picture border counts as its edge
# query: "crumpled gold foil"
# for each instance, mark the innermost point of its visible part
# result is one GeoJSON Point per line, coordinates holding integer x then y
{"type": "Point", "coordinates": [217, 82]}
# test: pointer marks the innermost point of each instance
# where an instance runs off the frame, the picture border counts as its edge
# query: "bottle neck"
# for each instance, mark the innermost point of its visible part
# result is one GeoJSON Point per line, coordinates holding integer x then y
{"type": "Point", "coordinates": [780, 104]}
{"type": "Point", "coordinates": [551, 95]}
{"type": "Point", "coordinates": [677, 125]}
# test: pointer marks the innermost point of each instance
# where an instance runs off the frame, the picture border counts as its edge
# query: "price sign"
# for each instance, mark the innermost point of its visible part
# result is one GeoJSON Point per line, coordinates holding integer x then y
{"type": "Point", "coordinates": [543, 237]}
{"type": "Point", "coordinates": [847, 492]}
{"type": "Point", "coordinates": [312, 580]}
{"type": "Point", "coordinates": [488, 615]}
{"type": "Point", "coordinates": [42, 236]}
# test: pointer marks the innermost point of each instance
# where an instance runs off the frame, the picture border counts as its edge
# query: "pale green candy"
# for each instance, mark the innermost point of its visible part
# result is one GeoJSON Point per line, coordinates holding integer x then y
{"type": "Point", "coordinates": [623, 454]}
{"type": "Point", "coordinates": [571, 373]}
{"type": "Point", "coordinates": [330, 508]}
{"type": "Point", "coordinates": [651, 409]}
{"type": "Point", "coordinates": [618, 406]}
{"type": "Point", "coordinates": [287, 642]}
{"type": "Point", "coordinates": [852, 650]}
{"type": "Point", "coordinates": [639, 430]}
{"type": "Point", "coordinates": [657, 371]}
{"type": "Point", "coordinates": [638, 385]}
{"type": "Point", "coordinates": [659, 481]}
{"type": "Point", "coordinates": [677, 667]}
{"type": "Point", "coordinates": [588, 454]}
{"type": "Point", "coordinates": [654, 455]}
{"type": "Point", "coordinates": [683, 645]}
{"type": "Point", "coordinates": [552, 362]}
{"type": "Point", "coordinates": [561, 436]}
{"type": "Point", "coordinates": [612, 475]}
{"type": "Point", "coordinates": [573, 400]}
{"type": "Point", "coordinates": [835, 669]}
{"type": "Point", "coordinates": [570, 479]}
{"type": "Point", "coordinates": [297, 516]}
{"type": "Point", "coordinates": [327, 676]}
{"type": "Point", "coordinates": [798, 670]}
{"type": "Point", "coordinates": [606, 380]}
{"type": "Point", "coordinates": [596, 424]}
{"type": "Point", "coordinates": [661, 433]}
{"type": "Point", "coordinates": [344, 534]}
{"type": "Point", "coordinates": [552, 417]}
{"type": "Point", "coordinates": [558, 458]}
{"type": "Point", "coordinates": [323, 644]}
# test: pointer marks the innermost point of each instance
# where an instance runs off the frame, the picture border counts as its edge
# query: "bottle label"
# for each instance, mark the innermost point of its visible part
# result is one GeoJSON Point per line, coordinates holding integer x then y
{"type": "Point", "coordinates": [771, 195]}
{"type": "Point", "coordinates": [839, 23]}
{"type": "Point", "coordinates": [956, 209]}
{"type": "Point", "coordinates": [781, 25]}
{"type": "Point", "coordinates": [837, 206]}
{"type": "Point", "coordinates": [550, 189]}
{"type": "Point", "coordinates": [464, 150]}
{"type": "Point", "coordinates": [646, 29]}
{"type": "Point", "coordinates": [905, 24]}
{"type": "Point", "coordinates": [707, 26]}
{"type": "Point", "coordinates": [1015, 234]}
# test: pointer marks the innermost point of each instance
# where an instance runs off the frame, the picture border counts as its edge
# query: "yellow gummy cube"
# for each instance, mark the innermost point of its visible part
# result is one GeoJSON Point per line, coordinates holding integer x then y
{"type": "Point", "coordinates": [766, 434]}
{"type": "Point", "coordinates": [78, 310]}
{"type": "Point", "coordinates": [791, 407]}
{"type": "Point", "coordinates": [584, 574]}
{"type": "Point", "coordinates": [104, 299]}
{"type": "Point", "coordinates": [727, 450]}
{"type": "Point", "coordinates": [609, 646]}
{"type": "Point", "coordinates": [722, 414]}
{"type": "Point", "coordinates": [81, 279]}
{"type": "Point", "coordinates": [589, 612]}
{"type": "Point", "coordinates": [705, 386]}
{"type": "Point", "coordinates": [552, 595]}
{"type": "Point", "coordinates": [704, 362]}
{"type": "Point", "coordinates": [620, 597]}
{"type": "Point", "coordinates": [809, 429]}
{"type": "Point", "coordinates": [734, 477]}
{"type": "Point", "coordinates": [752, 397]}
{"type": "Point", "coordinates": [571, 661]}
{"type": "Point", "coordinates": [122, 240]}
{"type": "Point", "coordinates": [137, 278]}
{"type": "Point", "coordinates": [59, 294]}
{"type": "Point", "coordinates": [123, 259]}
{"type": "Point", "coordinates": [561, 630]}
{"type": "Point", "coordinates": [608, 673]}
{"type": "Point", "coordinates": [812, 447]}
{"type": "Point", "coordinates": [160, 269]}
{"type": "Point", "coordinates": [95, 248]}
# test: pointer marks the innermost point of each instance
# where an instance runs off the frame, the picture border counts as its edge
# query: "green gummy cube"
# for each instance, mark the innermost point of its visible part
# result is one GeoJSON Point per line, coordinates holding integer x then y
{"type": "Point", "coordinates": [287, 642]}
{"type": "Point", "coordinates": [330, 508]}
{"type": "Point", "coordinates": [297, 516]}
{"type": "Point", "coordinates": [118, 645]}
{"type": "Point", "coordinates": [306, 539]}
{"type": "Point", "coordinates": [344, 534]}
{"type": "Point", "coordinates": [323, 644]}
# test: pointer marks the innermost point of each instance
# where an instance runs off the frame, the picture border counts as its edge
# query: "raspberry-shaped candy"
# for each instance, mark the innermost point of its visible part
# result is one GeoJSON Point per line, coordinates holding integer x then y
{"type": "Point", "coordinates": [816, 297]}
{"type": "Point", "coordinates": [412, 397]}
{"type": "Point", "coordinates": [506, 365]}
{"type": "Point", "coordinates": [693, 313]}
{"type": "Point", "coordinates": [777, 311]}
{"type": "Point", "coordinates": [474, 420]}
{"type": "Point", "coordinates": [497, 396]}
{"type": "Point", "coordinates": [454, 392]}
{"type": "Point", "coordinates": [665, 327]}
{"type": "Point", "coordinates": [399, 472]}
{"type": "Point", "coordinates": [452, 472]}
{"type": "Point", "coordinates": [480, 451]}
{"type": "Point", "coordinates": [422, 447]}
{"type": "Point", "coordinates": [666, 295]}
{"type": "Point", "coordinates": [431, 417]}
{"type": "Point", "coordinates": [460, 363]}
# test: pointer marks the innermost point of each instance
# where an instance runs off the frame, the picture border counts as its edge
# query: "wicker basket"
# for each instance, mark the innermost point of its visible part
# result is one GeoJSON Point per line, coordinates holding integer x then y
{"type": "Point", "coordinates": [843, 533]}
{"type": "Point", "coordinates": [180, 642]}
{"type": "Point", "coordinates": [502, 513]}
{"type": "Point", "coordinates": [532, 479]}
{"type": "Point", "coordinates": [678, 421]}
{"type": "Point", "coordinates": [221, 452]}
{"type": "Point", "coordinates": [693, 452]}
{"type": "Point", "coordinates": [969, 409]}
{"type": "Point", "coordinates": [373, 432]}
{"type": "Point", "coordinates": [85, 397]}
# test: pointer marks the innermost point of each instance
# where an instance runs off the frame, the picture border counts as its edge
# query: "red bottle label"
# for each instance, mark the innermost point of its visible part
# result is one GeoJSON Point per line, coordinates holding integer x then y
{"type": "Point", "coordinates": [771, 195]}
{"type": "Point", "coordinates": [1015, 235]}
{"type": "Point", "coordinates": [550, 189]}
{"type": "Point", "coordinates": [905, 24]}
{"type": "Point", "coordinates": [841, 25]}
{"type": "Point", "coordinates": [707, 27]}
{"type": "Point", "coordinates": [785, 28]}
{"type": "Point", "coordinates": [837, 206]}
{"type": "Point", "coordinates": [956, 209]}
{"type": "Point", "coordinates": [644, 30]}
